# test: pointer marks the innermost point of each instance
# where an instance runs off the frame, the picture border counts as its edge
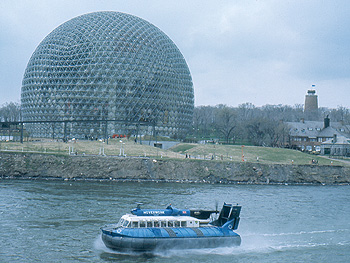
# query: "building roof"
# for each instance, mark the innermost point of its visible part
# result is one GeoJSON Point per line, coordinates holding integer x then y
{"type": "Point", "coordinates": [314, 129]}
{"type": "Point", "coordinates": [340, 140]}
{"type": "Point", "coordinates": [328, 132]}
{"type": "Point", "coordinates": [305, 128]}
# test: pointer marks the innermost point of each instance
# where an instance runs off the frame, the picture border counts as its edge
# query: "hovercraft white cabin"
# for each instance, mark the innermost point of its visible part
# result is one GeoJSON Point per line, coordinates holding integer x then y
{"type": "Point", "coordinates": [158, 229]}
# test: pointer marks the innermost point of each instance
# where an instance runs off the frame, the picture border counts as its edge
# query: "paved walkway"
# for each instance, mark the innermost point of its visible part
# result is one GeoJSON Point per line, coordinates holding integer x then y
{"type": "Point", "coordinates": [334, 159]}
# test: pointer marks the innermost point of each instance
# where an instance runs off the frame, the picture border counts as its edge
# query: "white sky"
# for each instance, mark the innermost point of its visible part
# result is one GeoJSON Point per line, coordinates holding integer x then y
{"type": "Point", "coordinates": [258, 51]}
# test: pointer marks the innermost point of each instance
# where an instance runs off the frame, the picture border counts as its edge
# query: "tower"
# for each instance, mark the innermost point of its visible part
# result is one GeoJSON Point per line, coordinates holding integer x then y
{"type": "Point", "coordinates": [311, 105]}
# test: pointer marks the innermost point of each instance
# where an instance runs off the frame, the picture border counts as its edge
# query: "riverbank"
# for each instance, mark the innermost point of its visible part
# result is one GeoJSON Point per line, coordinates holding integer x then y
{"type": "Point", "coordinates": [24, 165]}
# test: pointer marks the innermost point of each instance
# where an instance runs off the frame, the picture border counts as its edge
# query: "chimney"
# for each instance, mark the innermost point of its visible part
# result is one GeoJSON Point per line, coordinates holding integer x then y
{"type": "Point", "coordinates": [326, 122]}
{"type": "Point", "coordinates": [334, 138]}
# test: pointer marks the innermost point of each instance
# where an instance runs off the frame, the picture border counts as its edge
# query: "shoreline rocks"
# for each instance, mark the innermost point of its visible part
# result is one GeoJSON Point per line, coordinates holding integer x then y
{"type": "Point", "coordinates": [37, 166]}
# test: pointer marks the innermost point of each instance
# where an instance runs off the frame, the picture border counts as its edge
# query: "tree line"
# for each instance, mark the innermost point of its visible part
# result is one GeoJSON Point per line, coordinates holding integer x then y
{"type": "Point", "coordinates": [261, 126]}
{"type": "Point", "coordinates": [10, 112]}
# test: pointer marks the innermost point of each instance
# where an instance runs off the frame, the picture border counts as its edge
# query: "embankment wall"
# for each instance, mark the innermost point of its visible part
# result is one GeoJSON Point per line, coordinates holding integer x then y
{"type": "Point", "coordinates": [18, 165]}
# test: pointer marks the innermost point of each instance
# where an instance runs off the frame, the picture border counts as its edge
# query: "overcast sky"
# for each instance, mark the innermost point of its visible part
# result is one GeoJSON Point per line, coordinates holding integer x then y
{"type": "Point", "coordinates": [257, 51]}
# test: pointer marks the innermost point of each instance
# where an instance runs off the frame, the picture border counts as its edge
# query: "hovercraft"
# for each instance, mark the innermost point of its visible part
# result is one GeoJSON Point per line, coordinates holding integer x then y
{"type": "Point", "coordinates": [146, 230]}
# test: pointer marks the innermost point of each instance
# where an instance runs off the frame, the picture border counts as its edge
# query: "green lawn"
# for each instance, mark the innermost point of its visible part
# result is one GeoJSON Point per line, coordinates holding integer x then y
{"type": "Point", "coordinates": [267, 155]}
{"type": "Point", "coordinates": [114, 148]}
{"type": "Point", "coordinates": [214, 152]}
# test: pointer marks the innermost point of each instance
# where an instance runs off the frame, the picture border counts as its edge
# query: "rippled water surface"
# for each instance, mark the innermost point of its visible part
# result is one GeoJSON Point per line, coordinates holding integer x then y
{"type": "Point", "coordinates": [59, 221]}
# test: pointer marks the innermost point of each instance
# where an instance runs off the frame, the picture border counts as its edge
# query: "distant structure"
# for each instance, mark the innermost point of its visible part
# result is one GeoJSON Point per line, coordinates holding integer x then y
{"type": "Point", "coordinates": [311, 103]}
{"type": "Point", "coordinates": [337, 146]}
{"type": "Point", "coordinates": [105, 73]}
{"type": "Point", "coordinates": [309, 136]}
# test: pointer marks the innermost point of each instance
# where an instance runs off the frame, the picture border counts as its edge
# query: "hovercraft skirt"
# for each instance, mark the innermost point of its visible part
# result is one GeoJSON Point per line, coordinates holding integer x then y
{"type": "Point", "coordinates": [122, 243]}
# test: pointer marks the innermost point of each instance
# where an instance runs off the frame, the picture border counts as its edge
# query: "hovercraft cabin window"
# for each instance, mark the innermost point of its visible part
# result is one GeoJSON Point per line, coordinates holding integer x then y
{"type": "Point", "coordinates": [142, 224]}
{"type": "Point", "coordinates": [125, 223]}
{"type": "Point", "coordinates": [121, 221]}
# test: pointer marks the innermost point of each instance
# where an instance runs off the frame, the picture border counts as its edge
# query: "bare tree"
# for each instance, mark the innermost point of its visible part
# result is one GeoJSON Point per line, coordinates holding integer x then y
{"type": "Point", "coordinates": [203, 120]}
{"type": "Point", "coordinates": [254, 131]}
{"type": "Point", "coordinates": [259, 125]}
{"type": "Point", "coordinates": [226, 122]}
{"type": "Point", "coordinates": [246, 111]}
{"type": "Point", "coordinates": [339, 114]}
{"type": "Point", "coordinates": [10, 112]}
{"type": "Point", "coordinates": [266, 132]}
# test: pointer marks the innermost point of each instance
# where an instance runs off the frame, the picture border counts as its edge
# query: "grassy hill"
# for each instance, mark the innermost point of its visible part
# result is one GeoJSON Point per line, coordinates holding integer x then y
{"type": "Point", "coordinates": [213, 152]}
{"type": "Point", "coordinates": [115, 147]}
{"type": "Point", "coordinates": [254, 154]}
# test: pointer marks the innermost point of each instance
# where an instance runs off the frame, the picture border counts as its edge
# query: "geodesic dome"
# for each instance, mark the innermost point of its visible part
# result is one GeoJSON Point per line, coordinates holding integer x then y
{"type": "Point", "coordinates": [106, 66]}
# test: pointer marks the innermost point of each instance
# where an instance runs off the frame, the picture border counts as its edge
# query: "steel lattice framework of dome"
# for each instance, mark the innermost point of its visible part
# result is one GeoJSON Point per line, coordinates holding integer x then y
{"type": "Point", "coordinates": [106, 66]}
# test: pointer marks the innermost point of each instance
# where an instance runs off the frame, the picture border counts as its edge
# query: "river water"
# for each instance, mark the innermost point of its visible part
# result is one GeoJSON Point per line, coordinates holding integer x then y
{"type": "Point", "coordinates": [59, 221]}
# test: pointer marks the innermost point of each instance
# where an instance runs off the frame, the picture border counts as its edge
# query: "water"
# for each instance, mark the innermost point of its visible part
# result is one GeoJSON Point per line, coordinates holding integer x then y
{"type": "Point", "coordinates": [58, 221]}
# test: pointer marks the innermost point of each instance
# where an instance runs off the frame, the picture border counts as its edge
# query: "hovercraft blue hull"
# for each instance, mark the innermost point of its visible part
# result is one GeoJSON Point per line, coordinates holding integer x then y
{"type": "Point", "coordinates": [151, 239]}
{"type": "Point", "coordinates": [147, 230]}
